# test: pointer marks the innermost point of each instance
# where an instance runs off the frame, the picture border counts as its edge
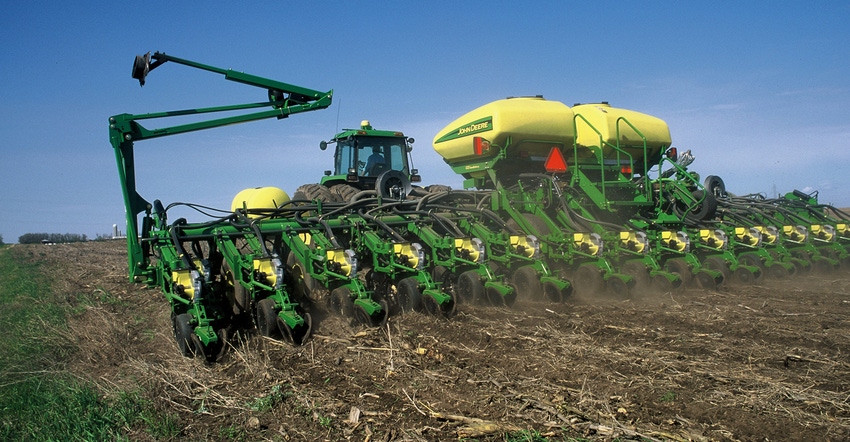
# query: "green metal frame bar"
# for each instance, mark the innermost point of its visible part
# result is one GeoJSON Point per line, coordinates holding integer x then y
{"type": "Point", "coordinates": [124, 130]}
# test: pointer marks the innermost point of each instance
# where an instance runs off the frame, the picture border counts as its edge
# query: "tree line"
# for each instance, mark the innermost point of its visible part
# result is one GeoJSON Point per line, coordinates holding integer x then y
{"type": "Point", "coordinates": [36, 238]}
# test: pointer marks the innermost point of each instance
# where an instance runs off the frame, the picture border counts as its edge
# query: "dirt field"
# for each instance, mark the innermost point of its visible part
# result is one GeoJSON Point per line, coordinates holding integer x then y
{"type": "Point", "coordinates": [759, 363]}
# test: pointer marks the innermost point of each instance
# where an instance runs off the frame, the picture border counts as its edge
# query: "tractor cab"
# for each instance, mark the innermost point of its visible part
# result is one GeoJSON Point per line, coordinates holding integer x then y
{"type": "Point", "coordinates": [362, 155]}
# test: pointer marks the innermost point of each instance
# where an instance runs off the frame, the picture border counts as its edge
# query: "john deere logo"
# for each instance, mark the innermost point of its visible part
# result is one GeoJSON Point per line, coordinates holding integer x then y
{"type": "Point", "coordinates": [475, 127]}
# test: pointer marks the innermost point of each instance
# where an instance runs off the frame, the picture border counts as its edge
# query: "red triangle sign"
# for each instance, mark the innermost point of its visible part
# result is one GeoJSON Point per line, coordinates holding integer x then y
{"type": "Point", "coordinates": [556, 163]}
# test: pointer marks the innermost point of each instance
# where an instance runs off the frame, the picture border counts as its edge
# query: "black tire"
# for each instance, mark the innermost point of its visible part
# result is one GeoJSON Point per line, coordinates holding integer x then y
{"type": "Point", "coordinates": [391, 181]}
{"type": "Point", "coordinates": [361, 316]}
{"type": "Point", "coordinates": [527, 283]}
{"type": "Point", "coordinates": [438, 188]}
{"type": "Point", "coordinates": [469, 288]}
{"type": "Point", "coordinates": [706, 209]}
{"type": "Point", "coordinates": [718, 264]}
{"type": "Point", "coordinates": [639, 273]}
{"type": "Point", "coordinates": [313, 192]}
{"type": "Point", "coordinates": [265, 318]}
{"type": "Point", "coordinates": [680, 267]}
{"type": "Point", "coordinates": [588, 280]}
{"type": "Point", "coordinates": [552, 293]}
{"type": "Point", "coordinates": [753, 260]}
{"type": "Point", "coordinates": [777, 271]}
{"type": "Point", "coordinates": [183, 331]}
{"type": "Point", "coordinates": [715, 186]}
{"type": "Point", "coordinates": [341, 302]}
{"type": "Point", "coordinates": [408, 296]}
{"type": "Point", "coordinates": [343, 193]}
{"type": "Point", "coordinates": [743, 276]}
{"type": "Point", "coordinates": [447, 281]}
{"type": "Point", "coordinates": [618, 289]}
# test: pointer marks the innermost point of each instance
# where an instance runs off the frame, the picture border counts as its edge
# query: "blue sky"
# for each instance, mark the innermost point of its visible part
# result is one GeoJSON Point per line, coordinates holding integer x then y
{"type": "Point", "coordinates": [758, 91]}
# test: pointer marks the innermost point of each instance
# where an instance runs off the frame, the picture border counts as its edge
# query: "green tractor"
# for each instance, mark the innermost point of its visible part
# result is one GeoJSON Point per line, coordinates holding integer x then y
{"type": "Point", "coordinates": [366, 159]}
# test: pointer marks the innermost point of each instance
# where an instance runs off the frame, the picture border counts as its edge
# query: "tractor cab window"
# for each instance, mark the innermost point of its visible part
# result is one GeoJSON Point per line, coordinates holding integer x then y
{"type": "Point", "coordinates": [371, 156]}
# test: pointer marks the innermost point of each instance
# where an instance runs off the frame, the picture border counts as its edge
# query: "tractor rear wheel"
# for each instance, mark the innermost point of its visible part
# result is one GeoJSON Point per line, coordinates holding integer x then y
{"type": "Point", "coordinates": [343, 193]}
{"type": "Point", "coordinates": [313, 192]}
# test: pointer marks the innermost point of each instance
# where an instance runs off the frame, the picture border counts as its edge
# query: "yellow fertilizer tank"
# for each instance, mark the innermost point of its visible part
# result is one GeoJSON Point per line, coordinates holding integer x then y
{"type": "Point", "coordinates": [259, 198]}
{"type": "Point", "coordinates": [600, 126]}
{"type": "Point", "coordinates": [524, 126]}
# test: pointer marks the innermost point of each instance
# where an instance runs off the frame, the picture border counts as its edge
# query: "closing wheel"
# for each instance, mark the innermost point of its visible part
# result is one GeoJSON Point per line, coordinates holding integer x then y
{"type": "Point", "coordinates": [743, 276]}
{"type": "Point", "coordinates": [265, 317]}
{"type": "Point", "coordinates": [408, 296]}
{"type": "Point", "coordinates": [824, 266]}
{"type": "Point", "coordinates": [664, 285]}
{"type": "Point", "coordinates": [552, 293]}
{"type": "Point", "coordinates": [376, 319]}
{"type": "Point", "coordinates": [751, 259]}
{"type": "Point", "coordinates": [214, 350]}
{"type": "Point", "coordinates": [183, 332]}
{"type": "Point", "coordinates": [496, 299]}
{"type": "Point", "coordinates": [640, 274]}
{"type": "Point", "coordinates": [708, 282]}
{"type": "Point", "coordinates": [431, 306]}
{"type": "Point", "coordinates": [222, 344]}
{"type": "Point", "coordinates": [777, 271]}
{"type": "Point", "coordinates": [527, 283]}
{"type": "Point", "coordinates": [718, 264]}
{"type": "Point", "coordinates": [618, 288]}
{"type": "Point", "coordinates": [587, 280]}
{"type": "Point", "coordinates": [680, 267]}
{"type": "Point", "coordinates": [340, 302]}
{"type": "Point", "coordinates": [445, 310]}
{"type": "Point", "coordinates": [299, 334]}
{"type": "Point", "coordinates": [469, 288]}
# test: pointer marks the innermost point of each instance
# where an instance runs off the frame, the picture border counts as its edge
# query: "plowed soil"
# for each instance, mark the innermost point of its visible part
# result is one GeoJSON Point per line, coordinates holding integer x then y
{"type": "Point", "coordinates": [765, 362]}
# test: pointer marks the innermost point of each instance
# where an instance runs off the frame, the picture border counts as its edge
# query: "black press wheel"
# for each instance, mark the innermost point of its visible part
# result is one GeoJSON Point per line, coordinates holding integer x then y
{"type": "Point", "coordinates": [527, 283]}
{"type": "Point", "coordinates": [341, 302]}
{"type": "Point", "coordinates": [299, 334]}
{"type": "Point", "coordinates": [639, 273]}
{"type": "Point", "coordinates": [618, 288]}
{"type": "Point", "coordinates": [744, 276]}
{"type": "Point", "coordinates": [469, 288]}
{"type": "Point", "coordinates": [409, 297]}
{"type": "Point", "coordinates": [376, 319]}
{"type": "Point", "coordinates": [588, 280]}
{"type": "Point", "coordinates": [265, 317]}
{"type": "Point", "coordinates": [718, 264]}
{"type": "Point", "coordinates": [680, 267]}
{"type": "Point", "coordinates": [183, 332]}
